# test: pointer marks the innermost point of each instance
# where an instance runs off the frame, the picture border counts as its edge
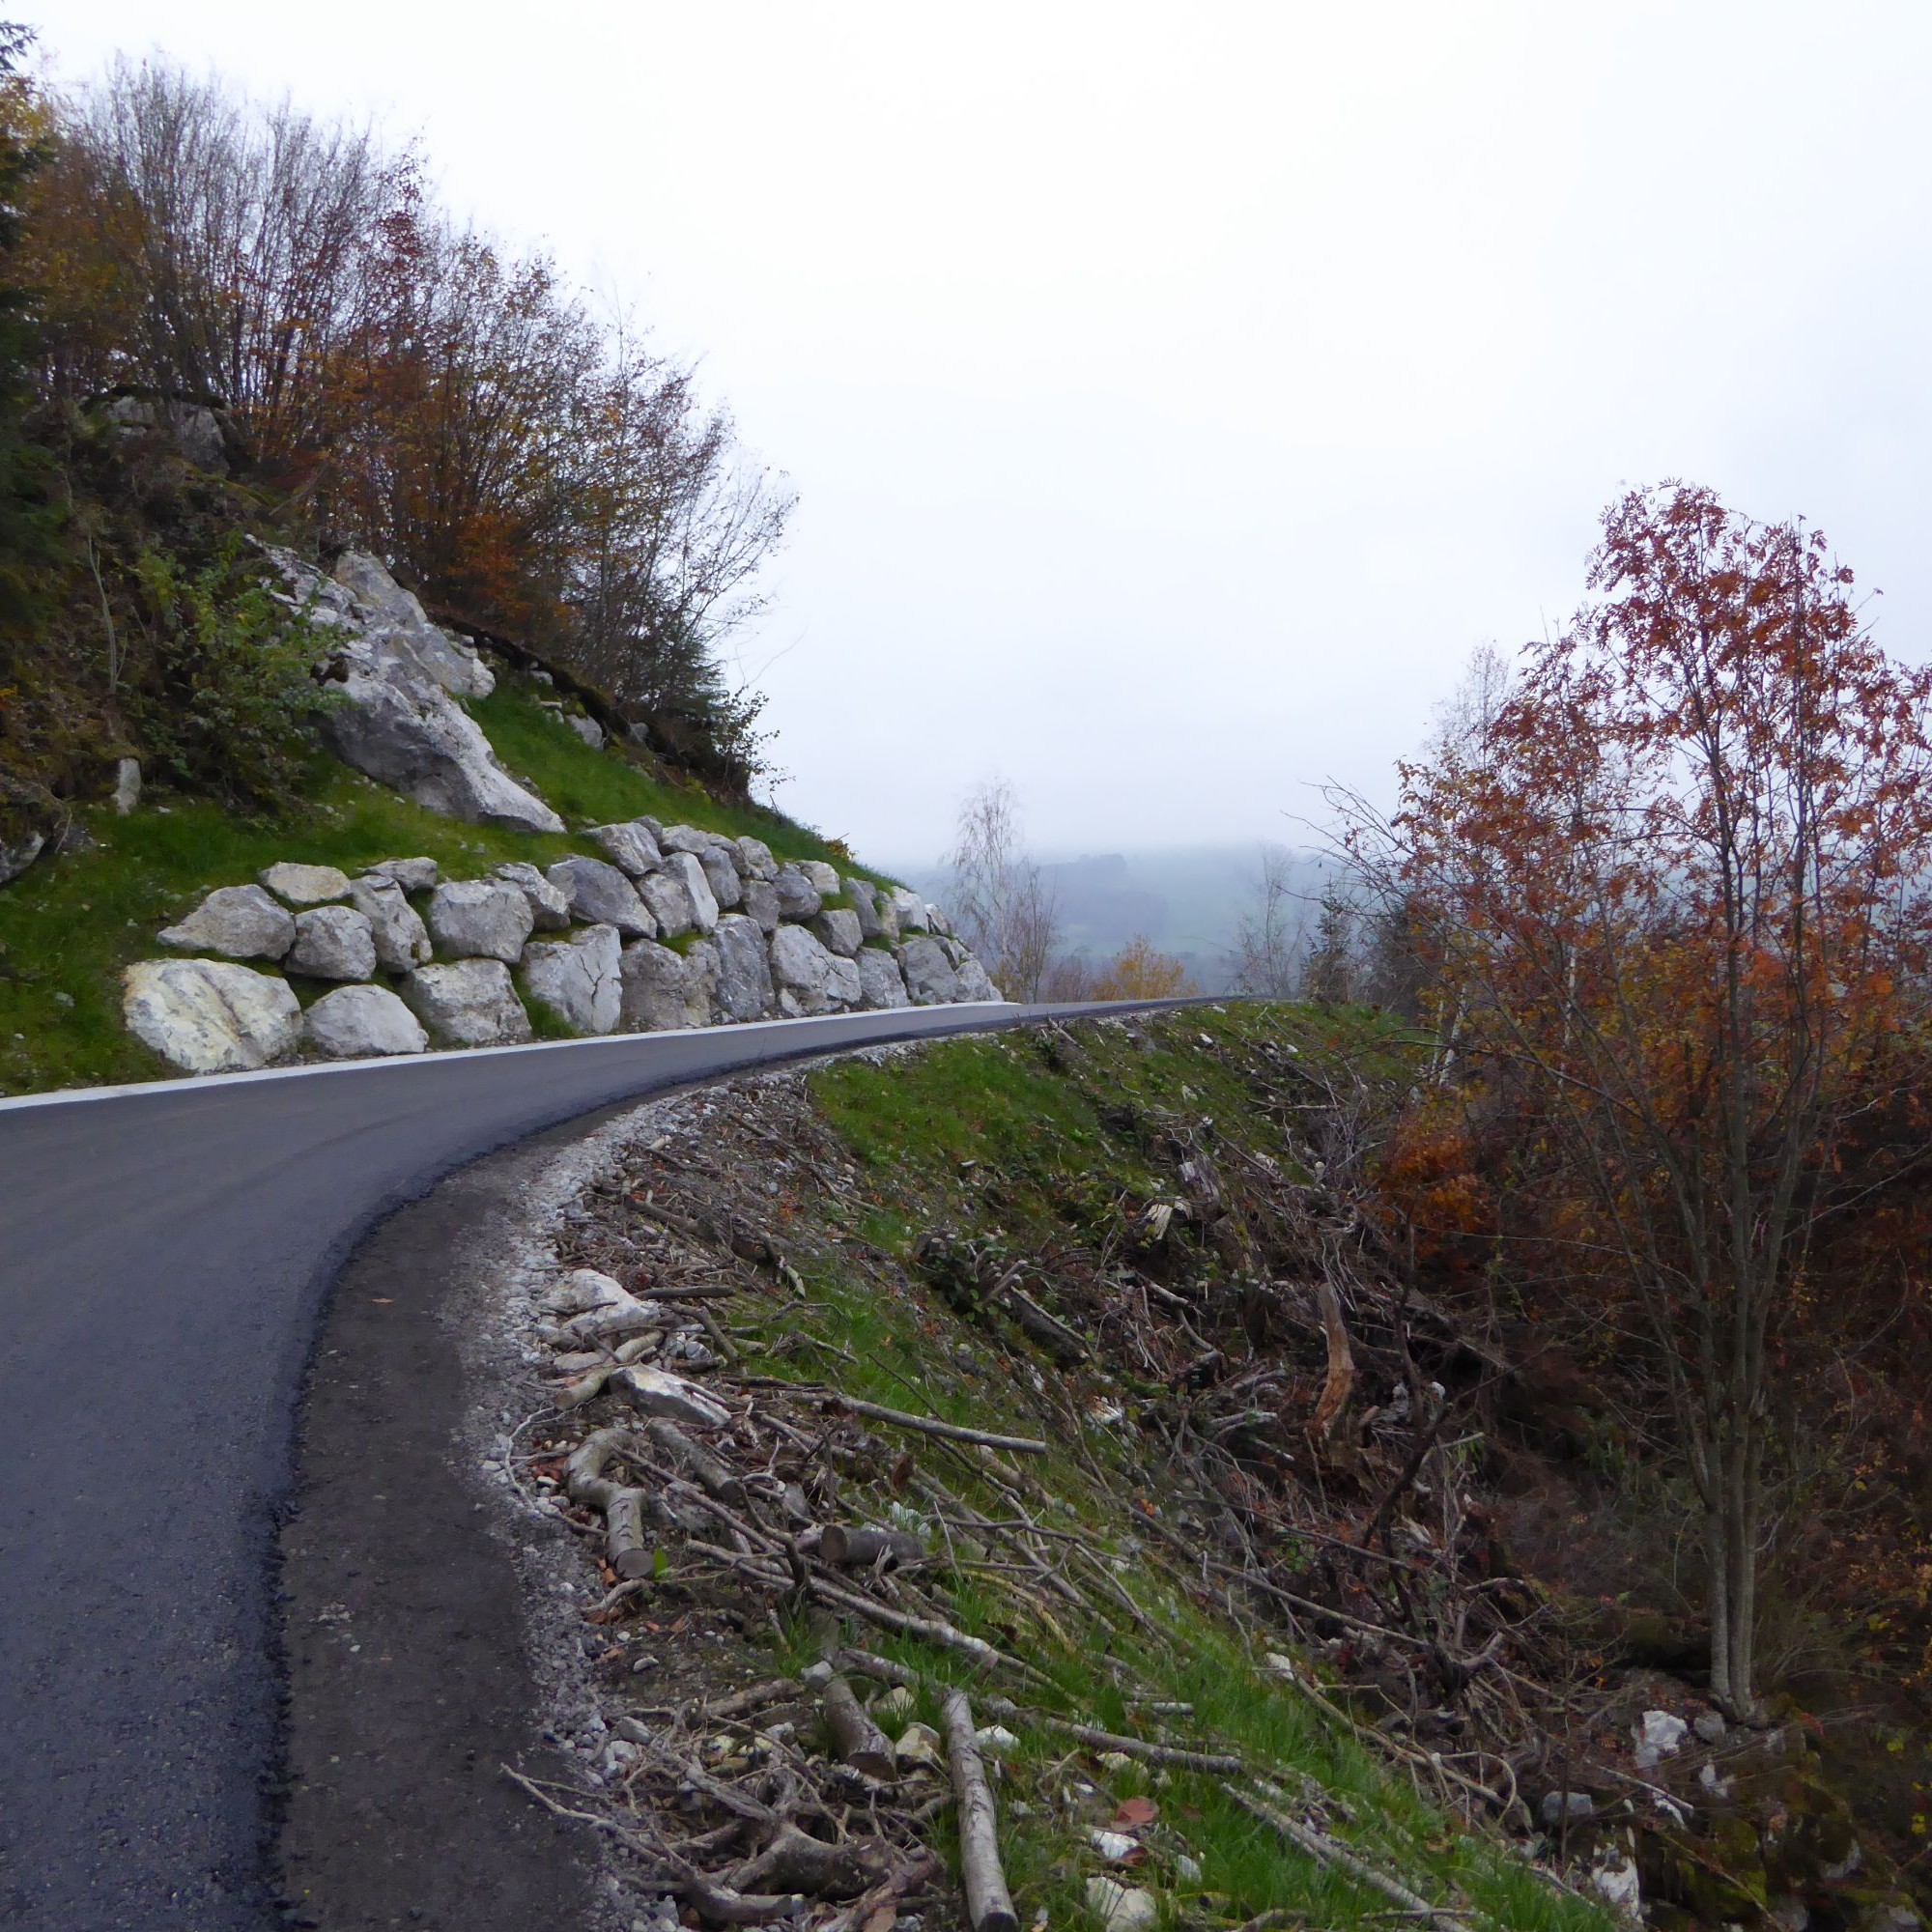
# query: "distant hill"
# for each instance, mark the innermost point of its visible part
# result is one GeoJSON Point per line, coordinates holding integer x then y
{"type": "Point", "coordinates": [1188, 900]}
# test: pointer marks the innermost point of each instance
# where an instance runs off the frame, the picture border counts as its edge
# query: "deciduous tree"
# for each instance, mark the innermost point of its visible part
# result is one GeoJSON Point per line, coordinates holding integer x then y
{"type": "Point", "coordinates": [1674, 886]}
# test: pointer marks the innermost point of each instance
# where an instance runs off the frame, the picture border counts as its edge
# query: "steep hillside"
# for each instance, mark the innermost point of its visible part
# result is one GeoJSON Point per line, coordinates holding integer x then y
{"type": "Point", "coordinates": [1229, 1487]}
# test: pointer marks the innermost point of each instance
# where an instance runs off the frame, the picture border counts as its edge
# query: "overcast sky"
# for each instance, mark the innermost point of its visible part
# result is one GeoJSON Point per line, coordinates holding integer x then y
{"type": "Point", "coordinates": [1175, 395]}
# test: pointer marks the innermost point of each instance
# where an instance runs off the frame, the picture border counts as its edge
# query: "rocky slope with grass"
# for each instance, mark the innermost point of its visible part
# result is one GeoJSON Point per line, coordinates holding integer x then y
{"type": "Point", "coordinates": [1064, 1369]}
{"type": "Point", "coordinates": [469, 858]}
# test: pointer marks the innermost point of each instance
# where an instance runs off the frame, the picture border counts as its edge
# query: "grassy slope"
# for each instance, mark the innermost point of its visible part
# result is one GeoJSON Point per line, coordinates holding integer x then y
{"type": "Point", "coordinates": [73, 923]}
{"type": "Point", "coordinates": [987, 1136]}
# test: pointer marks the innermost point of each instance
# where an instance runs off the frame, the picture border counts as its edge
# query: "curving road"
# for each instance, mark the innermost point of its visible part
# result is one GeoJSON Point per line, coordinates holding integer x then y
{"type": "Point", "coordinates": [165, 1252]}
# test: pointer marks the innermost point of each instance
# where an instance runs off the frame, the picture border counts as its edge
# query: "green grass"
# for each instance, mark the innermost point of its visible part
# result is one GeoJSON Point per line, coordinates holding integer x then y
{"type": "Point", "coordinates": [596, 788]}
{"type": "Point", "coordinates": [994, 1136]}
{"type": "Point", "coordinates": [73, 923]}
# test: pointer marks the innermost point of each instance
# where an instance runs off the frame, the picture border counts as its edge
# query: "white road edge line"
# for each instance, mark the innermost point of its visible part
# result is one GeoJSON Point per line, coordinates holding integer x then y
{"type": "Point", "coordinates": [203, 1082]}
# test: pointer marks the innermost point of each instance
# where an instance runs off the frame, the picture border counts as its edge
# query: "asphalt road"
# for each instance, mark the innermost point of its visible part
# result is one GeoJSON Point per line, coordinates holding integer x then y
{"type": "Point", "coordinates": [165, 1255]}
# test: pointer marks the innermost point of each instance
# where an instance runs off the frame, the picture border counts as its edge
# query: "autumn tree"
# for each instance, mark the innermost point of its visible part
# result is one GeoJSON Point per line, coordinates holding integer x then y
{"type": "Point", "coordinates": [1674, 890]}
{"type": "Point", "coordinates": [1140, 970]}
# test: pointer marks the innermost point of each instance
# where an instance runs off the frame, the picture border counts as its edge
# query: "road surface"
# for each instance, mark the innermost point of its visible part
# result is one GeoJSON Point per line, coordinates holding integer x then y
{"type": "Point", "coordinates": [165, 1255]}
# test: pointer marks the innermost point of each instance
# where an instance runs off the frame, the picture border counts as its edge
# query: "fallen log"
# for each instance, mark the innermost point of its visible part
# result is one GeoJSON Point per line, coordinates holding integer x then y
{"type": "Point", "coordinates": [855, 1738]}
{"type": "Point", "coordinates": [990, 1906]}
{"type": "Point", "coordinates": [796, 1862]}
{"type": "Point", "coordinates": [1174, 1755]}
{"type": "Point", "coordinates": [927, 1424]}
{"type": "Point", "coordinates": [1331, 1852]}
{"type": "Point", "coordinates": [622, 1507]}
{"type": "Point", "coordinates": [714, 1476]}
{"type": "Point", "coordinates": [861, 1548]}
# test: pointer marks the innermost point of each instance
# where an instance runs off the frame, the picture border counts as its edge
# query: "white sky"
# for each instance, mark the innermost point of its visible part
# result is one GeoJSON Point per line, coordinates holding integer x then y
{"type": "Point", "coordinates": [1176, 394]}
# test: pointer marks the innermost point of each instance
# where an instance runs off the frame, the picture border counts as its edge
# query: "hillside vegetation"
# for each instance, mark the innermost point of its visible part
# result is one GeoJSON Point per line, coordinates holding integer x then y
{"type": "Point", "coordinates": [1295, 1506]}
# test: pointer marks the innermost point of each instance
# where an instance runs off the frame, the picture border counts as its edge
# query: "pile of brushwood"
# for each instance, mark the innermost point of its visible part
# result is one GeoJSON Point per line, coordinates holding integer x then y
{"type": "Point", "coordinates": [1095, 1497]}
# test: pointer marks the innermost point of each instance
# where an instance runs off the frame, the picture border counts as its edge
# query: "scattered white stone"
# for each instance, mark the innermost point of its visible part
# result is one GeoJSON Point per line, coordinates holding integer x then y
{"type": "Point", "coordinates": [127, 785]}
{"type": "Point", "coordinates": [658, 1392]}
{"type": "Point", "coordinates": [362, 1022]}
{"type": "Point", "coordinates": [919, 1744]}
{"type": "Point", "coordinates": [1616, 1884]}
{"type": "Point", "coordinates": [1114, 1846]}
{"type": "Point", "coordinates": [584, 1289]}
{"type": "Point", "coordinates": [1710, 1726]}
{"type": "Point", "coordinates": [897, 1699]}
{"type": "Point", "coordinates": [305, 885]}
{"type": "Point", "coordinates": [1659, 1735]}
{"type": "Point", "coordinates": [211, 1016]}
{"type": "Point", "coordinates": [1121, 1908]}
{"type": "Point", "coordinates": [996, 1738]}
{"type": "Point", "coordinates": [333, 942]}
{"type": "Point", "coordinates": [586, 728]}
{"type": "Point", "coordinates": [237, 923]}
{"type": "Point", "coordinates": [1186, 1868]}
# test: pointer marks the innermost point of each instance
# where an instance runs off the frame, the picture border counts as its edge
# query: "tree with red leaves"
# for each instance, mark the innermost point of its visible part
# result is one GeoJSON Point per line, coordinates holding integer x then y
{"type": "Point", "coordinates": [1673, 890]}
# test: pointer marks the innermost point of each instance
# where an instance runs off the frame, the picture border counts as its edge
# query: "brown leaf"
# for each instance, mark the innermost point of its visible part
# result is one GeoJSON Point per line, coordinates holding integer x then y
{"type": "Point", "coordinates": [1134, 1812]}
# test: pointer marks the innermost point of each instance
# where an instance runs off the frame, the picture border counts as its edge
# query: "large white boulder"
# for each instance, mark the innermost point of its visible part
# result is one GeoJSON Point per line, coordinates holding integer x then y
{"type": "Point", "coordinates": [668, 901]}
{"type": "Point", "coordinates": [865, 898]}
{"type": "Point", "coordinates": [480, 918]}
{"type": "Point", "coordinates": [550, 906]}
{"type": "Point", "coordinates": [629, 846]}
{"type": "Point", "coordinates": [798, 897]}
{"type": "Point", "coordinates": [363, 1023]}
{"type": "Point", "coordinates": [333, 942]}
{"type": "Point", "coordinates": [395, 614]}
{"type": "Point", "coordinates": [402, 940]}
{"type": "Point", "coordinates": [929, 974]}
{"type": "Point", "coordinates": [688, 868]}
{"type": "Point", "coordinates": [910, 910]}
{"type": "Point", "coordinates": [721, 875]}
{"type": "Point", "coordinates": [307, 885]}
{"type": "Point", "coordinates": [211, 1016]}
{"type": "Point", "coordinates": [397, 724]}
{"type": "Point", "coordinates": [881, 984]}
{"type": "Point", "coordinates": [757, 860]}
{"type": "Point", "coordinates": [662, 992]}
{"type": "Point", "coordinates": [578, 978]}
{"type": "Point", "coordinates": [800, 968]}
{"type": "Point", "coordinates": [838, 932]}
{"type": "Point", "coordinates": [975, 982]}
{"type": "Point", "coordinates": [237, 923]}
{"type": "Point", "coordinates": [600, 894]}
{"type": "Point", "coordinates": [844, 986]}
{"type": "Point", "coordinates": [824, 878]}
{"type": "Point", "coordinates": [468, 1003]}
{"type": "Point", "coordinates": [761, 905]}
{"type": "Point", "coordinates": [744, 989]}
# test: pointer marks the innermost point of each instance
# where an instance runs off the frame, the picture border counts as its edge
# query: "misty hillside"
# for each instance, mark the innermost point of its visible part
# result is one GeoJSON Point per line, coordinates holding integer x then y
{"type": "Point", "coordinates": [1189, 900]}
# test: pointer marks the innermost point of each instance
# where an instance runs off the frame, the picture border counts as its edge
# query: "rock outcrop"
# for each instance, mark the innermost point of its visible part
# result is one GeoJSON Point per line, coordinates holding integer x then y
{"type": "Point", "coordinates": [397, 679]}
